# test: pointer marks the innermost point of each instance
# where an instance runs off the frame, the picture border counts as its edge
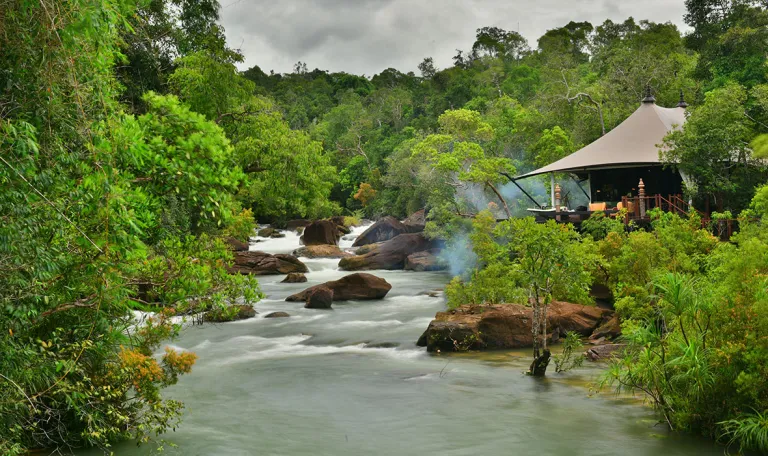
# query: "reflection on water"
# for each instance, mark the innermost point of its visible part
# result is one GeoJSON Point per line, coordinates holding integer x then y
{"type": "Point", "coordinates": [351, 381]}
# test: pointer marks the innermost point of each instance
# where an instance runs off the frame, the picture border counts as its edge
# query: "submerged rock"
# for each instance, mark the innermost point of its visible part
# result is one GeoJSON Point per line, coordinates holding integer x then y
{"type": "Point", "coordinates": [321, 232]}
{"type": "Point", "coordinates": [383, 230]}
{"type": "Point", "coordinates": [506, 326]}
{"type": "Point", "coordinates": [425, 261]}
{"type": "Point", "coordinates": [358, 286]}
{"type": "Point", "coordinates": [320, 297]}
{"type": "Point", "coordinates": [389, 255]}
{"type": "Point", "coordinates": [294, 277]}
{"type": "Point", "coordinates": [261, 263]}
{"type": "Point", "coordinates": [277, 315]}
{"type": "Point", "coordinates": [321, 251]}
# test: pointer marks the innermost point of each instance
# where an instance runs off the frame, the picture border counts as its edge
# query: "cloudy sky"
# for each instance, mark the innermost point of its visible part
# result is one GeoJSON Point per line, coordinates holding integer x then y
{"type": "Point", "coordinates": [368, 36]}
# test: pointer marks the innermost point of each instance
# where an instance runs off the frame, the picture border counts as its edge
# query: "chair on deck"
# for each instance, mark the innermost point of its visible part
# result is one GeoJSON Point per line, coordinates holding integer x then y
{"type": "Point", "coordinates": [593, 207]}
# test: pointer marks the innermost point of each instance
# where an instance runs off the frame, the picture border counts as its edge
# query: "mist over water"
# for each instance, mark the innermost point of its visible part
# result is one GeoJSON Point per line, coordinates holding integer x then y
{"type": "Point", "coordinates": [351, 381]}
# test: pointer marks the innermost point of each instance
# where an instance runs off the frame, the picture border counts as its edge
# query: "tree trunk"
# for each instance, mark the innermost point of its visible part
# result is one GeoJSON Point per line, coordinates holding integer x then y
{"type": "Point", "coordinates": [501, 198]}
{"type": "Point", "coordinates": [539, 365]}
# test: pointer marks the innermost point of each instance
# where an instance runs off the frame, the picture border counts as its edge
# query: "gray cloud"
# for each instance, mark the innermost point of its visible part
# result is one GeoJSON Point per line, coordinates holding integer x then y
{"type": "Point", "coordinates": [368, 36]}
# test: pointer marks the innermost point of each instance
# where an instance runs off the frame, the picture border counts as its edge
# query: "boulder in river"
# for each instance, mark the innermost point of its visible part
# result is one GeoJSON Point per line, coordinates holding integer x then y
{"type": "Point", "coordinates": [426, 260]}
{"type": "Point", "coordinates": [294, 277]}
{"type": "Point", "coordinates": [294, 225]}
{"type": "Point", "coordinates": [277, 315]}
{"type": "Point", "coordinates": [416, 222]}
{"type": "Point", "coordinates": [321, 232]}
{"type": "Point", "coordinates": [320, 297]}
{"type": "Point", "coordinates": [611, 329]}
{"type": "Point", "coordinates": [604, 352]}
{"type": "Point", "coordinates": [321, 251]}
{"type": "Point", "coordinates": [383, 230]}
{"type": "Point", "coordinates": [506, 326]}
{"type": "Point", "coordinates": [270, 233]}
{"type": "Point", "coordinates": [261, 263]}
{"type": "Point", "coordinates": [358, 286]}
{"type": "Point", "coordinates": [389, 255]}
{"type": "Point", "coordinates": [366, 249]}
{"type": "Point", "coordinates": [236, 244]}
{"type": "Point", "coordinates": [233, 313]}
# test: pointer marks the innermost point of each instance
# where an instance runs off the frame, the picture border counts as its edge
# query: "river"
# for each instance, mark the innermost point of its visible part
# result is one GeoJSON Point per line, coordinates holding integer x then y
{"type": "Point", "coordinates": [351, 381]}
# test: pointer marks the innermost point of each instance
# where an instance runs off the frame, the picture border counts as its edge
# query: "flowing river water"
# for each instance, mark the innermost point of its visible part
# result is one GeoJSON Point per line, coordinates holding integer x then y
{"type": "Point", "coordinates": [351, 381]}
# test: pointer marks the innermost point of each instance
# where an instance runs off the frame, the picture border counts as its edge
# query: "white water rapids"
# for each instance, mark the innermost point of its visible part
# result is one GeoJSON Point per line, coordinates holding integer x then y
{"type": "Point", "coordinates": [351, 381]}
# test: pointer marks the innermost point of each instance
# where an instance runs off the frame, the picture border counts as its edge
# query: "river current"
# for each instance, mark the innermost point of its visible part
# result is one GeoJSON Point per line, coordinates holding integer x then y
{"type": "Point", "coordinates": [351, 381]}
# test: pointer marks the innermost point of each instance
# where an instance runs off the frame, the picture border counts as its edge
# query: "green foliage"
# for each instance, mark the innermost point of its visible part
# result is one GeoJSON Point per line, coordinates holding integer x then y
{"type": "Point", "coordinates": [598, 225]}
{"type": "Point", "coordinates": [99, 210]}
{"type": "Point", "coordinates": [572, 356]}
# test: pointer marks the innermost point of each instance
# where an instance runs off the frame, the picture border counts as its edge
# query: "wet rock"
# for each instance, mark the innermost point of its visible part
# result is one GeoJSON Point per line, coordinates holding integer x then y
{"type": "Point", "coordinates": [390, 255]}
{"type": "Point", "coordinates": [358, 286]}
{"type": "Point", "coordinates": [261, 263]}
{"type": "Point", "coordinates": [416, 222]}
{"type": "Point", "coordinates": [506, 326]}
{"type": "Point", "coordinates": [321, 251]}
{"type": "Point", "coordinates": [611, 329]}
{"type": "Point", "coordinates": [268, 232]}
{"type": "Point", "coordinates": [294, 277]}
{"type": "Point", "coordinates": [343, 230]}
{"type": "Point", "coordinates": [223, 315]}
{"type": "Point", "coordinates": [337, 220]}
{"type": "Point", "coordinates": [277, 315]}
{"type": "Point", "coordinates": [604, 352]}
{"type": "Point", "coordinates": [321, 232]}
{"type": "Point", "coordinates": [294, 225]}
{"type": "Point", "coordinates": [236, 244]}
{"type": "Point", "coordinates": [320, 297]}
{"type": "Point", "coordinates": [425, 261]}
{"type": "Point", "coordinates": [383, 230]}
{"type": "Point", "coordinates": [367, 249]}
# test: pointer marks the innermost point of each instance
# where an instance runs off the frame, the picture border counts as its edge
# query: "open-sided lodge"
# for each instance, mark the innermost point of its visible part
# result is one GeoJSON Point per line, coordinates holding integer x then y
{"type": "Point", "coordinates": [622, 169]}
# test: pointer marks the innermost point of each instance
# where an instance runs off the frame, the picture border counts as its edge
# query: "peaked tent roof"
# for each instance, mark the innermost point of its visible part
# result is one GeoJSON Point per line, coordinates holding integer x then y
{"type": "Point", "coordinates": [634, 141]}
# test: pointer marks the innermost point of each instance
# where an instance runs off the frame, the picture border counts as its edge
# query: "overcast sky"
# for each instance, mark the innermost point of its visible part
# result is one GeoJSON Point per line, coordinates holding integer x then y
{"type": "Point", "coordinates": [368, 36]}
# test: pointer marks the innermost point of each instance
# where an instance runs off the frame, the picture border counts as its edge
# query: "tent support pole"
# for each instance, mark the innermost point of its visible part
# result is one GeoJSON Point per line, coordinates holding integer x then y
{"type": "Point", "coordinates": [522, 190]}
{"type": "Point", "coordinates": [578, 183]}
{"type": "Point", "coordinates": [552, 188]}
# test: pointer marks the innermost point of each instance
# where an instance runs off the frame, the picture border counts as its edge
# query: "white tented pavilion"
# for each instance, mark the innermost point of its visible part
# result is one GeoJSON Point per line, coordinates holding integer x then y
{"type": "Point", "coordinates": [614, 164]}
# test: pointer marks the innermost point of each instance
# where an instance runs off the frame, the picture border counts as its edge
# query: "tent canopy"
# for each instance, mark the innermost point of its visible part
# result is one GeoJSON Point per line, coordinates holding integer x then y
{"type": "Point", "coordinates": [635, 141]}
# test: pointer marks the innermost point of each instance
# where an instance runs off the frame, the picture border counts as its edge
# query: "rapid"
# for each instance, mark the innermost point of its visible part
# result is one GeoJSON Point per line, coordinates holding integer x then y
{"type": "Point", "coordinates": [351, 381]}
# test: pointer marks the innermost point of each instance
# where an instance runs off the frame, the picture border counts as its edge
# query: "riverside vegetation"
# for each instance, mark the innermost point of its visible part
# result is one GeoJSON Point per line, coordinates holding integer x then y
{"type": "Point", "coordinates": [131, 148]}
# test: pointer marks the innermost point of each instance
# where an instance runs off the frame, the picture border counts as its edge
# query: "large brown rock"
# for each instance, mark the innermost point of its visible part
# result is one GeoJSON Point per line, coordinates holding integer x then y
{"type": "Point", "coordinates": [321, 232]}
{"type": "Point", "coordinates": [261, 263]}
{"type": "Point", "coordinates": [294, 277]}
{"type": "Point", "coordinates": [611, 329]}
{"type": "Point", "coordinates": [425, 261]}
{"type": "Point", "coordinates": [506, 326]}
{"type": "Point", "coordinates": [605, 352]}
{"type": "Point", "coordinates": [236, 244]}
{"type": "Point", "coordinates": [389, 255]}
{"type": "Point", "coordinates": [383, 230]}
{"type": "Point", "coordinates": [294, 225]}
{"type": "Point", "coordinates": [321, 251]}
{"type": "Point", "coordinates": [416, 222]}
{"type": "Point", "coordinates": [319, 298]}
{"type": "Point", "coordinates": [358, 286]}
